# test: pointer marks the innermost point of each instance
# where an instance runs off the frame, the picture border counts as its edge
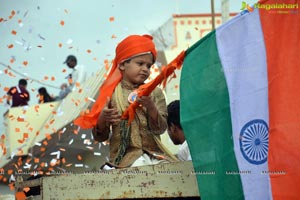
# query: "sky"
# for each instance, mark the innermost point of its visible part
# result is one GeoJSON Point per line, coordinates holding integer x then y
{"type": "Point", "coordinates": [37, 35]}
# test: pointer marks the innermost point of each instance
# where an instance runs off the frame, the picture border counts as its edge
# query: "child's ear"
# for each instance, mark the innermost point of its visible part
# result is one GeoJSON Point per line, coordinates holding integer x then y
{"type": "Point", "coordinates": [121, 66]}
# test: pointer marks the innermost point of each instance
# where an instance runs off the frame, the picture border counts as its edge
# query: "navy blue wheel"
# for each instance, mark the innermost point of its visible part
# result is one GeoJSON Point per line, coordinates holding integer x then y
{"type": "Point", "coordinates": [254, 141]}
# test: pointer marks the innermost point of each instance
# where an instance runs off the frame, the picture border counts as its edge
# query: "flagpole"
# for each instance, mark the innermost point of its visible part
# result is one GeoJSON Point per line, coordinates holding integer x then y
{"type": "Point", "coordinates": [212, 14]}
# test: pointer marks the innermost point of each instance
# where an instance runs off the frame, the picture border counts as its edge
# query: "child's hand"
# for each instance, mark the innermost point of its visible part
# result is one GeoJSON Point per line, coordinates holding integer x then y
{"type": "Point", "coordinates": [109, 114]}
{"type": "Point", "coordinates": [146, 101]}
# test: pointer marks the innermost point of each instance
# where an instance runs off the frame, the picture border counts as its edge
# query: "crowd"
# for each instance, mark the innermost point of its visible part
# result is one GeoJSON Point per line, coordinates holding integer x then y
{"type": "Point", "coordinates": [20, 96]}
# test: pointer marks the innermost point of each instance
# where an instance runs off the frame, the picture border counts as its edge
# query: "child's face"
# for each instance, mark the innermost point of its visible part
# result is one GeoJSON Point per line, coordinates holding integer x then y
{"type": "Point", "coordinates": [138, 69]}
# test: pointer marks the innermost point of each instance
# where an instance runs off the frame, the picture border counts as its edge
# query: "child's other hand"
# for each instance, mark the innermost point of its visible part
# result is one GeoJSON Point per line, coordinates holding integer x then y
{"type": "Point", "coordinates": [109, 113]}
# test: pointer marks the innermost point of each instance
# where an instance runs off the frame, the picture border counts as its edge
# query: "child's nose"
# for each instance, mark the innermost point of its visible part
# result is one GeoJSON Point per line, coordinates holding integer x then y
{"type": "Point", "coordinates": [145, 68]}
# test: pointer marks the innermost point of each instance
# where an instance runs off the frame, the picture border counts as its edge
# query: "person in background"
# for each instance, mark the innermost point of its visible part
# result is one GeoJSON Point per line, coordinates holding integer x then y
{"type": "Point", "coordinates": [175, 131]}
{"type": "Point", "coordinates": [18, 94]}
{"type": "Point", "coordinates": [78, 75]}
{"type": "Point", "coordinates": [64, 91]}
{"type": "Point", "coordinates": [44, 96]}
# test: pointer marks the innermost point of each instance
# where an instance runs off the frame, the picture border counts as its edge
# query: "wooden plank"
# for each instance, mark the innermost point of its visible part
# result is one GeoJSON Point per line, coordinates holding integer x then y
{"type": "Point", "coordinates": [153, 181]}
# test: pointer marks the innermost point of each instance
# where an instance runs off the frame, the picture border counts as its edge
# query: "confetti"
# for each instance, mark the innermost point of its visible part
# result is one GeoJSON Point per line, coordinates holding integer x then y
{"type": "Point", "coordinates": [48, 136]}
{"type": "Point", "coordinates": [53, 162]}
{"type": "Point", "coordinates": [21, 141]}
{"type": "Point", "coordinates": [97, 153]}
{"type": "Point", "coordinates": [87, 141]}
{"type": "Point", "coordinates": [78, 165]}
{"type": "Point", "coordinates": [111, 19]}
{"type": "Point", "coordinates": [26, 189]}
{"type": "Point", "coordinates": [113, 36]}
{"type": "Point", "coordinates": [62, 23]}
{"type": "Point", "coordinates": [10, 46]}
{"type": "Point", "coordinates": [25, 14]}
{"type": "Point", "coordinates": [71, 141]}
{"type": "Point", "coordinates": [20, 119]}
{"type": "Point", "coordinates": [90, 148]}
{"type": "Point", "coordinates": [69, 41]}
{"type": "Point", "coordinates": [41, 37]}
{"type": "Point", "coordinates": [25, 135]}
{"type": "Point", "coordinates": [14, 32]}
{"type": "Point", "coordinates": [25, 63]}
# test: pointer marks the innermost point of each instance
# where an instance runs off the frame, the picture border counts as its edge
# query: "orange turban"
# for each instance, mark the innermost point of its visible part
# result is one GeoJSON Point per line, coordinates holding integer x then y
{"type": "Point", "coordinates": [127, 48]}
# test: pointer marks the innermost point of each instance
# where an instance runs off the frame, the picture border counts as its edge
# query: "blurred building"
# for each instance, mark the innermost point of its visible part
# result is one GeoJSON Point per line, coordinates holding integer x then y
{"type": "Point", "coordinates": [177, 34]}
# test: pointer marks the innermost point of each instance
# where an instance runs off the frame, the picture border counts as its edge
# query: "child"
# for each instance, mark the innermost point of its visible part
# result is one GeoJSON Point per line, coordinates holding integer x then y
{"type": "Point", "coordinates": [138, 143]}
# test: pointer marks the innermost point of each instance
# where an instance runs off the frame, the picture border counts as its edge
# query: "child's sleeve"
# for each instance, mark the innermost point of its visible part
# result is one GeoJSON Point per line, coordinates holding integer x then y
{"type": "Point", "coordinates": [160, 125]}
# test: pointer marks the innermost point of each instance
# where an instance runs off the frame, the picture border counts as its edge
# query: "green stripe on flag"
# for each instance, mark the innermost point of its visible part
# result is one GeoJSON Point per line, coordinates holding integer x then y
{"type": "Point", "coordinates": [206, 120]}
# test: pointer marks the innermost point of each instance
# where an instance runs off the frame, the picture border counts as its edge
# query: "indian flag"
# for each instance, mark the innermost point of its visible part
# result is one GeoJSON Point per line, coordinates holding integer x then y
{"type": "Point", "coordinates": [240, 106]}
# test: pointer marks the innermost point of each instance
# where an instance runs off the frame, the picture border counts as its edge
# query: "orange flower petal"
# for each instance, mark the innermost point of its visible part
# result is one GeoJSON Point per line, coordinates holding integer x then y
{"type": "Point", "coordinates": [20, 119]}
{"type": "Point", "coordinates": [48, 136]}
{"type": "Point", "coordinates": [25, 135]}
{"type": "Point", "coordinates": [62, 22]}
{"type": "Point", "coordinates": [64, 70]}
{"type": "Point", "coordinates": [60, 45]}
{"type": "Point", "coordinates": [10, 46]}
{"type": "Point", "coordinates": [14, 32]}
{"type": "Point", "coordinates": [111, 19]}
{"type": "Point", "coordinates": [21, 141]}
{"type": "Point", "coordinates": [26, 189]}
{"type": "Point", "coordinates": [25, 62]}
{"type": "Point", "coordinates": [6, 89]}
{"type": "Point", "coordinates": [88, 51]}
